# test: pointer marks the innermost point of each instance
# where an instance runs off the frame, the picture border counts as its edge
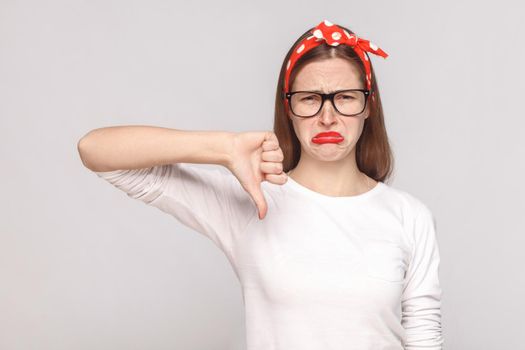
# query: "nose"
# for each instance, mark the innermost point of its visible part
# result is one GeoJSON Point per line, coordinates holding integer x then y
{"type": "Point", "coordinates": [327, 114]}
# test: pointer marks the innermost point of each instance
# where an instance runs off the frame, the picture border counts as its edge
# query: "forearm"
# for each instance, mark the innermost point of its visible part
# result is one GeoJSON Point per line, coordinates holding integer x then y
{"type": "Point", "coordinates": [135, 147]}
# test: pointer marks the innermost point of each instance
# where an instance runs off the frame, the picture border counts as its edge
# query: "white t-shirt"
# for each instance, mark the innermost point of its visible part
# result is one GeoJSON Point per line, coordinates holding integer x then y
{"type": "Point", "coordinates": [318, 272]}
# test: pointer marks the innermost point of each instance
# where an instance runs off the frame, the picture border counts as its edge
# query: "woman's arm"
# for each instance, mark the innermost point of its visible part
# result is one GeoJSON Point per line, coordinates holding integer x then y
{"type": "Point", "coordinates": [137, 147]}
{"type": "Point", "coordinates": [421, 300]}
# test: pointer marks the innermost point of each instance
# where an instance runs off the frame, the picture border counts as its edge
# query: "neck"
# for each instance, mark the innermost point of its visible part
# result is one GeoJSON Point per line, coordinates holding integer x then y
{"type": "Point", "coordinates": [332, 178]}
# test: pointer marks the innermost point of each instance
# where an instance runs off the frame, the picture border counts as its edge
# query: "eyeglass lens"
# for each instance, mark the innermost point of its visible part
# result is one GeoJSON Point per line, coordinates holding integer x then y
{"type": "Point", "coordinates": [308, 104]}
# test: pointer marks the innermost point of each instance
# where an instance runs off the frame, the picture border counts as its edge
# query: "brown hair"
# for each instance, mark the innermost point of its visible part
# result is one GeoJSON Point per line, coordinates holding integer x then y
{"type": "Point", "coordinates": [373, 153]}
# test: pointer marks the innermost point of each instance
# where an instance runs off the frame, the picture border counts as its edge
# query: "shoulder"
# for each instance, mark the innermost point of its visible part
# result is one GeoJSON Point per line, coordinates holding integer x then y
{"type": "Point", "coordinates": [406, 201]}
{"type": "Point", "coordinates": [414, 215]}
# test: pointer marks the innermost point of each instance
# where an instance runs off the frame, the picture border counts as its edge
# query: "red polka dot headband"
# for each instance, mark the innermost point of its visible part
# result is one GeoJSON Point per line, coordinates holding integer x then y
{"type": "Point", "coordinates": [334, 35]}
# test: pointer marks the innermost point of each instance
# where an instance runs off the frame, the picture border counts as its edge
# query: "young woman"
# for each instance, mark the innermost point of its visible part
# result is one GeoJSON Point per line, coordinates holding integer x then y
{"type": "Point", "coordinates": [328, 256]}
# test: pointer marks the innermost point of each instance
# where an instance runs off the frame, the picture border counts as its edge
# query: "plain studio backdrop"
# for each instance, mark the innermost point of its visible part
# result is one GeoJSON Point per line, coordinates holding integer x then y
{"type": "Point", "coordinates": [82, 266]}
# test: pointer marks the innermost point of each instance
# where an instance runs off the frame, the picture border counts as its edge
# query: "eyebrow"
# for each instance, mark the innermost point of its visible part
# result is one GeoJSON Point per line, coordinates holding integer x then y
{"type": "Point", "coordinates": [321, 92]}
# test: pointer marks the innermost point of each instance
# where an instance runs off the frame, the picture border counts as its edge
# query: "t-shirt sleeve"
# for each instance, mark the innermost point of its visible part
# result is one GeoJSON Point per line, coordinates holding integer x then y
{"type": "Point", "coordinates": [421, 300]}
{"type": "Point", "coordinates": [210, 201]}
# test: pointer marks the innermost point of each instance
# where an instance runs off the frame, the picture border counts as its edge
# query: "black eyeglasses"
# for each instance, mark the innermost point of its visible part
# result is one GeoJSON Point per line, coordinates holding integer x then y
{"type": "Point", "coordinates": [349, 102]}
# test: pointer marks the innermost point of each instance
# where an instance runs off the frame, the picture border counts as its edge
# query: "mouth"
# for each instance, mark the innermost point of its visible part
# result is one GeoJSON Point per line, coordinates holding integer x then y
{"type": "Point", "coordinates": [328, 137]}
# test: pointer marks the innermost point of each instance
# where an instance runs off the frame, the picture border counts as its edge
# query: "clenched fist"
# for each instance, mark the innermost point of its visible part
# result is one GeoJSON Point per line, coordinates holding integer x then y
{"type": "Point", "coordinates": [257, 157]}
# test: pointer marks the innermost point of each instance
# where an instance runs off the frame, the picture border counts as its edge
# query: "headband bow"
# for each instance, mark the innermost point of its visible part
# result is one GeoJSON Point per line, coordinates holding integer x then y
{"type": "Point", "coordinates": [334, 35]}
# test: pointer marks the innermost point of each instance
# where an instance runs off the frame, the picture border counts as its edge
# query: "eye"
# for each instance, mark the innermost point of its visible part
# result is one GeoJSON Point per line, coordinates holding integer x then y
{"type": "Point", "coordinates": [308, 98]}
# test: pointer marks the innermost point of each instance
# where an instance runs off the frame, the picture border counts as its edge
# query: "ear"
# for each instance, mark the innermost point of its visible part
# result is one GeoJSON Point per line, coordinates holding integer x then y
{"type": "Point", "coordinates": [367, 112]}
{"type": "Point", "coordinates": [288, 113]}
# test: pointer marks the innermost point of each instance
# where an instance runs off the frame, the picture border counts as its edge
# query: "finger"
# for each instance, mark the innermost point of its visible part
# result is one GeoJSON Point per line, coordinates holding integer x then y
{"type": "Point", "coordinates": [274, 138]}
{"type": "Point", "coordinates": [271, 167]}
{"type": "Point", "coordinates": [278, 179]}
{"type": "Point", "coordinates": [272, 156]}
{"type": "Point", "coordinates": [270, 146]}
{"type": "Point", "coordinates": [270, 136]}
{"type": "Point", "coordinates": [257, 196]}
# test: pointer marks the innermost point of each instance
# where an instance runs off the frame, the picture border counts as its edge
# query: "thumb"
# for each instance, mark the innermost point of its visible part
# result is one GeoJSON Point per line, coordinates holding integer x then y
{"type": "Point", "coordinates": [257, 196]}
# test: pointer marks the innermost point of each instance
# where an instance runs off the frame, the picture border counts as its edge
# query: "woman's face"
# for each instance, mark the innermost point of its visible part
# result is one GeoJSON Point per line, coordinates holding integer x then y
{"type": "Point", "coordinates": [328, 76]}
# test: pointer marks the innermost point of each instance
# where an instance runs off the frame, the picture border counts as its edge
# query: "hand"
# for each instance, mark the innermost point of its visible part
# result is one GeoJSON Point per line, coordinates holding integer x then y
{"type": "Point", "coordinates": [256, 157]}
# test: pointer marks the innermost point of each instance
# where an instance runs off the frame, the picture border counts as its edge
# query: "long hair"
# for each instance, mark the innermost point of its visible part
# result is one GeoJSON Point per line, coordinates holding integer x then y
{"type": "Point", "coordinates": [373, 153]}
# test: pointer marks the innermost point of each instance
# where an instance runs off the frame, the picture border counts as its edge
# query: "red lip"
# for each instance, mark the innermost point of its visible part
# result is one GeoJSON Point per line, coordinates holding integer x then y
{"type": "Point", "coordinates": [328, 134]}
{"type": "Point", "coordinates": [328, 137]}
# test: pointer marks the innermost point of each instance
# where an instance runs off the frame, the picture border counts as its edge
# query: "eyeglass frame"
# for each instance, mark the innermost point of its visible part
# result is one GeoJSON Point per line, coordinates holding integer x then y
{"type": "Point", "coordinates": [330, 96]}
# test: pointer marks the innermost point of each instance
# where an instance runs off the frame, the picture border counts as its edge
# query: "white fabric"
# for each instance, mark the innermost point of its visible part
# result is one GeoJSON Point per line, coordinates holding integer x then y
{"type": "Point", "coordinates": [318, 272]}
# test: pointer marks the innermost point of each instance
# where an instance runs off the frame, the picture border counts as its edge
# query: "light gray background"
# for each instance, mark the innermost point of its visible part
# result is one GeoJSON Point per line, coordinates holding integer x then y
{"type": "Point", "coordinates": [82, 266]}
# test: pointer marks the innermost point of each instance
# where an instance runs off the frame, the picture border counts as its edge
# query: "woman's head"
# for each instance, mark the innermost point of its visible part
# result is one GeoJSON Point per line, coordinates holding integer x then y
{"type": "Point", "coordinates": [326, 69]}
